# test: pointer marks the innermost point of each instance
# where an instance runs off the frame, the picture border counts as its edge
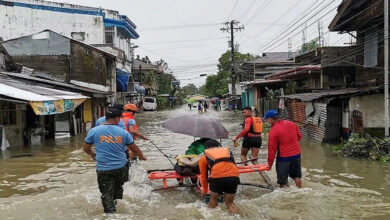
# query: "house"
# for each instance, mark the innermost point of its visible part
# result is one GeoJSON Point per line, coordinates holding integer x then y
{"type": "Point", "coordinates": [145, 77]}
{"type": "Point", "coordinates": [267, 64]}
{"type": "Point", "coordinates": [254, 73]}
{"type": "Point", "coordinates": [365, 21]}
{"type": "Point", "coordinates": [103, 28]}
{"type": "Point", "coordinates": [62, 59]}
{"type": "Point", "coordinates": [28, 109]}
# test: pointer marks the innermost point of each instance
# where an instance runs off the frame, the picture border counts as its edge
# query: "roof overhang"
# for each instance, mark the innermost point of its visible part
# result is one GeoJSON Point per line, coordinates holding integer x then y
{"type": "Point", "coordinates": [308, 97]}
{"type": "Point", "coordinates": [44, 101]}
{"type": "Point", "coordinates": [125, 27]}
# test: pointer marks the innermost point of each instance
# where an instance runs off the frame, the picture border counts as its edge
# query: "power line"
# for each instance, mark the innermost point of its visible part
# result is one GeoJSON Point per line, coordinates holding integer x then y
{"type": "Point", "coordinates": [295, 21]}
{"type": "Point", "coordinates": [247, 10]}
{"type": "Point", "coordinates": [231, 12]}
{"type": "Point", "coordinates": [259, 9]}
{"type": "Point", "coordinates": [182, 41]}
{"type": "Point", "coordinates": [178, 26]}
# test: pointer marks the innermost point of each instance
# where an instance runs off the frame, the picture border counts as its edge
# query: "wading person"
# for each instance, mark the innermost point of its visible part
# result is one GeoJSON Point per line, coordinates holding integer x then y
{"type": "Point", "coordinates": [283, 139]}
{"type": "Point", "coordinates": [200, 108]}
{"type": "Point", "coordinates": [111, 143]}
{"type": "Point", "coordinates": [251, 133]}
{"type": "Point", "coordinates": [131, 126]}
{"type": "Point", "coordinates": [223, 177]}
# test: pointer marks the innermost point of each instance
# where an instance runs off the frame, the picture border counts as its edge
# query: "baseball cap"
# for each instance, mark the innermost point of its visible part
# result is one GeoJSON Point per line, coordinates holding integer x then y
{"type": "Point", "coordinates": [113, 113]}
{"type": "Point", "coordinates": [117, 106]}
{"type": "Point", "coordinates": [271, 114]}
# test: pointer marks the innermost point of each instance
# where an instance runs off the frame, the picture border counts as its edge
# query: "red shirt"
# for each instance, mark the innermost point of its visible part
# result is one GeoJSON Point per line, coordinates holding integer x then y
{"type": "Point", "coordinates": [247, 127]}
{"type": "Point", "coordinates": [284, 135]}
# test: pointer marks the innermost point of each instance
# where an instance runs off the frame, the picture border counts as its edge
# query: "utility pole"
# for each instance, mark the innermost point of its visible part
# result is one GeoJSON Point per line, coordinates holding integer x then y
{"type": "Point", "coordinates": [386, 45]}
{"type": "Point", "coordinates": [320, 34]}
{"type": "Point", "coordinates": [231, 27]}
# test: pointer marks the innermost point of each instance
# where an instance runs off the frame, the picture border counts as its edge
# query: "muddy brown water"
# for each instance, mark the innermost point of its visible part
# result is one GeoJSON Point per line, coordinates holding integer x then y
{"type": "Point", "coordinates": [59, 182]}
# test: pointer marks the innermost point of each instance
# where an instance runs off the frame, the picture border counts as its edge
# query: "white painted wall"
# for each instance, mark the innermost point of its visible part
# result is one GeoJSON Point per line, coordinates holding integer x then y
{"type": "Point", "coordinates": [372, 108]}
{"type": "Point", "coordinates": [19, 21]}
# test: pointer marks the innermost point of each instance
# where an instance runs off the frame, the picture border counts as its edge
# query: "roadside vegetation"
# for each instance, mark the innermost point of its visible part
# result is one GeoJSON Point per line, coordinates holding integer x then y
{"type": "Point", "coordinates": [364, 147]}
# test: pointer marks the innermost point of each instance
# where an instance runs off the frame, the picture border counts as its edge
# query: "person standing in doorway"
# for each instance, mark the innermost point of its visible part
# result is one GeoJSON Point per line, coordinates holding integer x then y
{"type": "Point", "coordinates": [283, 140]}
{"type": "Point", "coordinates": [251, 132]}
{"type": "Point", "coordinates": [111, 143]}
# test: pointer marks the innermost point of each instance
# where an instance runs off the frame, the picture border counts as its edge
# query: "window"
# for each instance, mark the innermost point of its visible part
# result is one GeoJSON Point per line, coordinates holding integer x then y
{"type": "Point", "coordinates": [7, 113]}
{"type": "Point", "coordinates": [80, 36]}
{"type": "Point", "coordinates": [371, 48]}
{"type": "Point", "coordinates": [109, 35]}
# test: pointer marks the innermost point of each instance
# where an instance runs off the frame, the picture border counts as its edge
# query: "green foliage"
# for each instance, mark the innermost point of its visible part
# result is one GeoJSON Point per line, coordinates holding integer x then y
{"type": "Point", "coordinates": [162, 103]}
{"type": "Point", "coordinates": [366, 148]}
{"type": "Point", "coordinates": [217, 85]}
{"type": "Point", "coordinates": [164, 83]}
{"type": "Point", "coordinates": [290, 88]}
{"type": "Point", "coordinates": [309, 46]}
{"type": "Point", "coordinates": [190, 89]}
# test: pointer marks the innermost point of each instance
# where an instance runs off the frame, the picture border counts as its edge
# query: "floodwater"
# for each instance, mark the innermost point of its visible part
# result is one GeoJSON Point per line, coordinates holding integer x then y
{"type": "Point", "coordinates": [59, 182]}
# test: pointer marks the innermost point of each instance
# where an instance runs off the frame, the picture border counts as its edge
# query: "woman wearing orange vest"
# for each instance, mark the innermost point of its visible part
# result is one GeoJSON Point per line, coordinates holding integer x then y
{"type": "Point", "coordinates": [128, 117]}
{"type": "Point", "coordinates": [223, 177]}
{"type": "Point", "coordinates": [251, 132]}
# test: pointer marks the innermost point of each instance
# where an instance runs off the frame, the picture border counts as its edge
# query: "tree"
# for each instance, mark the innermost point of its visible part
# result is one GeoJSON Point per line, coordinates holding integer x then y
{"type": "Point", "coordinates": [217, 85]}
{"type": "Point", "coordinates": [309, 46]}
{"type": "Point", "coordinates": [190, 89]}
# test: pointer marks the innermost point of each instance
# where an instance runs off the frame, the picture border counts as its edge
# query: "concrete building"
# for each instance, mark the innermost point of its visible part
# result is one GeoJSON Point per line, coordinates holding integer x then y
{"type": "Point", "coordinates": [30, 110]}
{"type": "Point", "coordinates": [103, 28]}
{"type": "Point", "coordinates": [61, 59]}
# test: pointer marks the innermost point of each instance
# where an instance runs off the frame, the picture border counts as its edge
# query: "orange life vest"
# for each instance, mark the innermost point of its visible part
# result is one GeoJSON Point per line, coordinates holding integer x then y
{"type": "Point", "coordinates": [217, 155]}
{"type": "Point", "coordinates": [126, 117]}
{"type": "Point", "coordinates": [257, 125]}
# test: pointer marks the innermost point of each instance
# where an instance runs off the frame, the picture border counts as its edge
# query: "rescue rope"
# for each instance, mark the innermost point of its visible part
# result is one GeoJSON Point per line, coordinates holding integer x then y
{"type": "Point", "coordinates": [162, 153]}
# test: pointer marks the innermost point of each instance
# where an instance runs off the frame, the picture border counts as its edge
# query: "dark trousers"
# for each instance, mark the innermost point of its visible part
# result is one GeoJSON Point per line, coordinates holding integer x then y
{"type": "Point", "coordinates": [110, 185]}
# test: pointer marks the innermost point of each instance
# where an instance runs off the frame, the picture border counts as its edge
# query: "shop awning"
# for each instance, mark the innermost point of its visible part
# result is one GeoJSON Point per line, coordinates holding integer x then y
{"type": "Point", "coordinates": [44, 101]}
{"type": "Point", "coordinates": [122, 80]}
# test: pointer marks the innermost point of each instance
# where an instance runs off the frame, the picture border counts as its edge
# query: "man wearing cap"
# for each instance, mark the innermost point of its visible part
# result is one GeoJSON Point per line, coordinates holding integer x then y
{"type": "Point", "coordinates": [111, 143]}
{"type": "Point", "coordinates": [283, 139]}
{"type": "Point", "coordinates": [102, 120]}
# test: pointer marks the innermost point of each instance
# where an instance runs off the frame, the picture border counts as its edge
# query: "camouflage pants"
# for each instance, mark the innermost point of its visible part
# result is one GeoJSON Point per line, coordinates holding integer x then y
{"type": "Point", "coordinates": [110, 185]}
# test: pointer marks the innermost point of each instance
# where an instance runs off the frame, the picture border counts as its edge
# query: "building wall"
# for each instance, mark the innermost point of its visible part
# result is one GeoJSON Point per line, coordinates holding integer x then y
{"type": "Point", "coordinates": [372, 108]}
{"type": "Point", "coordinates": [55, 66]}
{"type": "Point", "coordinates": [19, 21]}
{"type": "Point", "coordinates": [89, 65]}
{"type": "Point", "coordinates": [14, 133]}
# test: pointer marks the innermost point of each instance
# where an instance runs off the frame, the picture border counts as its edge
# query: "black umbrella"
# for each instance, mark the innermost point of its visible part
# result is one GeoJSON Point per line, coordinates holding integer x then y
{"type": "Point", "coordinates": [197, 126]}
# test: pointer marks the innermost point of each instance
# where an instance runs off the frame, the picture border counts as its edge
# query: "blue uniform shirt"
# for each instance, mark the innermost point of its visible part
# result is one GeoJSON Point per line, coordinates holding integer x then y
{"type": "Point", "coordinates": [110, 142]}
{"type": "Point", "coordinates": [102, 120]}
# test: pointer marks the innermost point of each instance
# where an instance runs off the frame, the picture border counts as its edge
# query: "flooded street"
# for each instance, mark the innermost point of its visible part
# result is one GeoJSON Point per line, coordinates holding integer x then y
{"type": "Point", "coordinates": [59, 182]}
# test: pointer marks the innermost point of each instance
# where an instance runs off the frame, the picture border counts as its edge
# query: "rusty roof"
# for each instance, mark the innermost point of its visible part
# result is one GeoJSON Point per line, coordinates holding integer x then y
{"type": "Point", "coordinates": [308, 97]}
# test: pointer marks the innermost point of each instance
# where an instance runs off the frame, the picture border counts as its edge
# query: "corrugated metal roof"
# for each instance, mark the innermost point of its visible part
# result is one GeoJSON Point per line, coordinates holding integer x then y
{"type": "Point", "coordinates": [275, 57]}
{"type": "Point", "coordinates": [308, 97]}
{"type": "Point", "coordinates": [52, 82]}
{"type": "Point", "coordinates": [29, 92]}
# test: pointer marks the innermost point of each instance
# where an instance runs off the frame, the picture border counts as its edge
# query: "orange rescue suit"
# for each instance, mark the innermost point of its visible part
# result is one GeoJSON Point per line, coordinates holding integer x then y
{"type": "Point", "coordinates": [223, 166]}
{"type": "Point", "coordinates": [126, 117]}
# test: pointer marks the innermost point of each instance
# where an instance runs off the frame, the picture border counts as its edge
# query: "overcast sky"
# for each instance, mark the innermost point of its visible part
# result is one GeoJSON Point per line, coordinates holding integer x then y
{"type": "Point", "coordinates": [186, 33]}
